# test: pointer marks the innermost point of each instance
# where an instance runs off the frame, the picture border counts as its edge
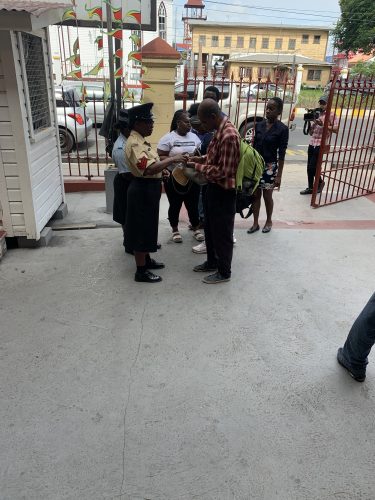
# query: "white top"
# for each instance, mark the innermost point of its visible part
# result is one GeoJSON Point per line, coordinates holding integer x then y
{"type": "Point", "coordinates": [175, 144]}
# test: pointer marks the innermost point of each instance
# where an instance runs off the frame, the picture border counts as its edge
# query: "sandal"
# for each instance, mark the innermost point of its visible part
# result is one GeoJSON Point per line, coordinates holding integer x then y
{"type": "Point", "coordinates": [176, 237]}
{"type": "Point", "coordinates": [266, 229]}
{"type": "Point", "coordinates": [198, 235]}
{"type": "Point", "coordinates": [253, 229]}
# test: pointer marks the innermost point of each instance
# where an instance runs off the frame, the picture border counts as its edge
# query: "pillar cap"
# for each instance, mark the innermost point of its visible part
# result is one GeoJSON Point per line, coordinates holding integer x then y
{"type": "Point", "coordinates": [159, 48]}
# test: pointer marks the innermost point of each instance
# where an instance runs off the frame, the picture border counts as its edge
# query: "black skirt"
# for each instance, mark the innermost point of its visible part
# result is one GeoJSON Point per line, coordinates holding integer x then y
{"type": "Point", "coordinates": [142, 217]}
{"type": "Point", "coordinates": [121, 183]}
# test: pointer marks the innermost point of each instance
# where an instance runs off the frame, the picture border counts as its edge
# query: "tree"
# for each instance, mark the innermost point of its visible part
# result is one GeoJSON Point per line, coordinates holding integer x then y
{"type": "Point", "coordinates": [355, 31]}
{"type": "Point", "coordinates": [364, 69]}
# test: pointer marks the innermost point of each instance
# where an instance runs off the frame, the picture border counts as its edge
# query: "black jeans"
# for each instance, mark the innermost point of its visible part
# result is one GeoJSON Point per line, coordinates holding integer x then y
{"type": "Point", "coordinates": [219, 212]}
{"type": "Point", "coordinates": [312, 160]}
{"type": "Point", "coordinates": [177, 195]}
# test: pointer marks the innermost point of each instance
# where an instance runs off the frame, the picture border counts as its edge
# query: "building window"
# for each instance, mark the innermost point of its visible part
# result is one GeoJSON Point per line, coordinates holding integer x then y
{"type": "Point", "coordinates": [305, 39]}
{"type": "Point", "coordinates": [227, 41]}
{"type": "Point", "coordinates": [252, 43]}
{"type": "Point", "coordinates": [240, 42]}
{"type": "Point", "coordinates": [215, 41]}
{"type": "Point", "coordinates": [265, 43]}
{"type": "Point", "coordinates": [162, 14]}
{"type": "Point", "coordinates": [316, 39]}
{"type": "Point", "coordinates": [292, 44]}
{"type": "Point", "coordinates": [202, 40]}
{"type": "Point", "coordinates": [36, 91]}
{"type": "Point", "coordinates": [279, 43]}
{"type": "Point", "coordinates": [246, 72]}
{"type": "Point", "coordinates": [264, 72]}
{"type": "Point", "coordinates": [314, 75]}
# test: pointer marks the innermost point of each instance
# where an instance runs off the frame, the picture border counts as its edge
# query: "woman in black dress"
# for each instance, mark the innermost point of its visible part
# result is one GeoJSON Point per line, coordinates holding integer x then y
{"type": "Point", "coordinates": [271, 141]}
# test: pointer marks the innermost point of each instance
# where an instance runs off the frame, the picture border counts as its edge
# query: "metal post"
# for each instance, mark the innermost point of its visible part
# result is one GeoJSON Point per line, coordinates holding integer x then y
{"type": "Point", "coordinates": [110, 51]}
{"type": "Point", "coordinates": [118, 63]}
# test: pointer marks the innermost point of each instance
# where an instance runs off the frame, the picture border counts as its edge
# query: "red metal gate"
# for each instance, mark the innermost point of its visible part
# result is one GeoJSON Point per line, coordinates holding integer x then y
{"type": "Point", "coordinates": [346, 162]}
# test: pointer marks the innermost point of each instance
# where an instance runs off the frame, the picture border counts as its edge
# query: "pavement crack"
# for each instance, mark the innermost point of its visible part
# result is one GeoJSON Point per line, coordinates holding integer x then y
{"type": "Point", "coordinates": [128, 398]}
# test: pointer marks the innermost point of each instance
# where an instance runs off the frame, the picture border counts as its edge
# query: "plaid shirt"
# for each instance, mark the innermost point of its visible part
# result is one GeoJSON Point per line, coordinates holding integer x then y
{"type": "Point", "coordinates": [223, 156]}
{"type": "Point", "coordinates": [317, 130]}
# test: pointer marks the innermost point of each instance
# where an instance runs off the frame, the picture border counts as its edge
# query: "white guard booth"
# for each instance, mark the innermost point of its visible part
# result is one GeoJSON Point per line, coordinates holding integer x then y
{"type": "Point", "coordinates": [31, 181]}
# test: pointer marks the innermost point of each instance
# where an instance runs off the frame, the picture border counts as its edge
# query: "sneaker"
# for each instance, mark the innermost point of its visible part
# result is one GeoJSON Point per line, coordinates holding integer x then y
{"type": "Point", "coordinates": [213, 279]}
{"type": "Point", "coordinates": [204, 268]}
{"type": "Point", "coordinates": [201, 248]}
{"type": "Point", "coordinates": [358, 376]}
{"type": "Point", "coordinates": [306, 191]}
{"type": "Point", "coordinates": [198, 235]}
{"type": "Point", "coordinates": [234, 239]}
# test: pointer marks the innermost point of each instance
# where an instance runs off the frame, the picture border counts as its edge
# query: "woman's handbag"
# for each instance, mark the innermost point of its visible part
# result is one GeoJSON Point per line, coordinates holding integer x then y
{"type": "Point", "coordinates": [194, 175]}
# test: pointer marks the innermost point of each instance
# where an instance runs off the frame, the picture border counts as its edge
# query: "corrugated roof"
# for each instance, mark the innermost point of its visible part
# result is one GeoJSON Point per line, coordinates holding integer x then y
{"type": "Point", "coordinates": [277, 59]}
{"type": "Point", "coordinates": [34, 8]}
{"type": "Point", "coordinates": [194, 22]}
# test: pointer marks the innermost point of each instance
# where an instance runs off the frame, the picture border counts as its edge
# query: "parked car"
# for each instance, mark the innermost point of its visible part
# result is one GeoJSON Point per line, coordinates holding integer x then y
{"type": "Point", "coordinates": [74, 124]}
{"type": "Point", "coordinates": [265, 90]}
{"type": "Point", "coordinates": [243, 114]}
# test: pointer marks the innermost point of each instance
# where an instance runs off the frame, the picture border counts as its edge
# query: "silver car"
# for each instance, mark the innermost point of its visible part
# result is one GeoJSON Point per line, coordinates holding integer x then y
{"type": "Point", "coordinates": [73, 121]}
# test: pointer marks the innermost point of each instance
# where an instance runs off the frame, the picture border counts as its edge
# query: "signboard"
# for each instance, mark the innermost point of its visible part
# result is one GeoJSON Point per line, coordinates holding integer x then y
{"type": "Point", "coordinates": [87, 14]}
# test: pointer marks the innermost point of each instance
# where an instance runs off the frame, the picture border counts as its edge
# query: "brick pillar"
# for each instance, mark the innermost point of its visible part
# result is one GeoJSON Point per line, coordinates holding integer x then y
{"type": "Point", "coordinates": [160, 60]}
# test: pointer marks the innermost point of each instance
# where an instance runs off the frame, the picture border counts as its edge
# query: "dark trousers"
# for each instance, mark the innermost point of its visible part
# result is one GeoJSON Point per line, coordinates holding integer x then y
{"type": "Point", "coordinates": [361, 337]}
{"type": "Point", "coordinates": [219, 212]}
{"type": "Point", "coordinates": [312, 160]}
{"type": "Point", "coordinates": [177, 195]}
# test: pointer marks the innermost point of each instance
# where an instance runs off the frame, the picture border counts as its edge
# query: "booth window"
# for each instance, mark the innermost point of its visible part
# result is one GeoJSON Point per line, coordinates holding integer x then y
{"type": "Point", "coordinates": [162, 21]}
{"type": "Point", "coordinates": [35, 78]}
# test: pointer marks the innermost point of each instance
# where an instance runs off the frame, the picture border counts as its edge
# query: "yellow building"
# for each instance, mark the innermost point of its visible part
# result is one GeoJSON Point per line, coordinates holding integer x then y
{"type": "Point", "coordinates": [264, 46]}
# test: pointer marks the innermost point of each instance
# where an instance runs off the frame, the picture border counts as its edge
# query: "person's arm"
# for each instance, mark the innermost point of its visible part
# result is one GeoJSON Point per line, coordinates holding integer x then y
{"type": "Point", "coordinates": [162, 154]}
{"type": "Point", "coordinates": [159, 166]}
{"type": "Point", "coordinates": [284, 138]}
{"type": "Point", "coordinates": [228, 161]}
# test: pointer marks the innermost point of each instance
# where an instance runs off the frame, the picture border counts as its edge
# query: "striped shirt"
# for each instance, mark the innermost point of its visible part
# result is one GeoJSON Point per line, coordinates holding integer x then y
{"type": "Point", "coordinates": [223, 156]}
{"type": "Point", "coordinates": [317, 130]}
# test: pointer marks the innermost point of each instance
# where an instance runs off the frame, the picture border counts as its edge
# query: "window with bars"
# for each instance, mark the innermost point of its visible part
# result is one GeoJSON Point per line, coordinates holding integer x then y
{"type": "Point", "coordinates": [265, 43]}
{"type": "Point", "coordinates": [314, 74]}
{"type": "Point", "coordinates": [214, 41]}
{"type": "Point", "coordinates": [162, 14]}
{"type": "Point", "coordinates": [246, 72]}
{"type": "Point", "coordinates": [316, 39]}
{"type": "Point", "coordinates": [278, 43]}
{"type": "Point", "coordinates": [252, 43]}
{"type": "Point", "coordinates": [305, 39]}
{"type": "Point", "coordinates": [227, 41]}
{"type": "Point", "coordinates": [292, 44]}
{"type": "Point", "coordinates": [36, 79]}
{"type": "Point", "coordinates": [202, 40]}
{"type": "Point", "coordinates": [240, 42]}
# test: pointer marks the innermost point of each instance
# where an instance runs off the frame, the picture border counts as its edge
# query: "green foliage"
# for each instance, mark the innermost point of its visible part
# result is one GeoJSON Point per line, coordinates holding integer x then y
{"type": "Point", "coordinates": [356, 27]}
{"type": "Point", "coordinates": [364, 69]}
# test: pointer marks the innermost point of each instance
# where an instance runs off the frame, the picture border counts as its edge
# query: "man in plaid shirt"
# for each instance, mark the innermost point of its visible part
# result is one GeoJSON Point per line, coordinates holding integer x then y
{"type": "Point", "coordinates": [316, 132]}
{"type": "Point", "coordinates": [219, 167]}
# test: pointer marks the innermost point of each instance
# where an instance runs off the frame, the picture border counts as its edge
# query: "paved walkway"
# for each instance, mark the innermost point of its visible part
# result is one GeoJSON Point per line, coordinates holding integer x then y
{"type": "Point", "coordinates": [115, 389]}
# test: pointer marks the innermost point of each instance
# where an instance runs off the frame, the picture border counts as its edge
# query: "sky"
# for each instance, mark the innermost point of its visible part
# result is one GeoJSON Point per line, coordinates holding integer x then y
{"type": "Point", "coordinates": [296, 12]}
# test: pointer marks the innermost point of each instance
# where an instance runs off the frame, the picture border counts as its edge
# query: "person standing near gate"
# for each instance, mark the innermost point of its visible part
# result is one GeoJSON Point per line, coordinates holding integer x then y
{"type": "Point", "coordinates": [142, 216]}
{"type": "Point", "coordinates": [316, 132]}
{"type": "Point", "coordinates": [219, 167]}
{"type": "Point", "coordinates": [361, 338]}
{"type": "Point", "coordinates": [123, 178]}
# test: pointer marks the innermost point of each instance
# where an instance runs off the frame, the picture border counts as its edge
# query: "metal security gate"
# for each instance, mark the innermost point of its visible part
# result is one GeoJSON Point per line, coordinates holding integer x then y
{"type": "Point", "coordinates": [346, 162]}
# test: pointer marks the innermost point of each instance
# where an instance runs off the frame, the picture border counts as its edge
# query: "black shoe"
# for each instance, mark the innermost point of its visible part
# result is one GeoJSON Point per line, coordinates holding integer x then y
{"type": "Point", "coordinates": [358, 376]}
{"type": "Point", "coordinates": [158, 246]}
{"type": "Point", "coordinates": [153, 264]}
{"type": "Point", "coordinates": [214, 279]}
{"type": "Point", "coordinates": [321, 186]}
{"type": "Point", "coordinates": [306, 191]}
{"type": "Point", "coordinates": [204, 268]}
{"type": "Point", "coordinates": [147, 277]}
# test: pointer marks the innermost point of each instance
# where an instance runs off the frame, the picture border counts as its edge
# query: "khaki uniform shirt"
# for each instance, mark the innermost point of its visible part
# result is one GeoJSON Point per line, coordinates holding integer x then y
{"type": "Point", "coordinates": [139, 155]}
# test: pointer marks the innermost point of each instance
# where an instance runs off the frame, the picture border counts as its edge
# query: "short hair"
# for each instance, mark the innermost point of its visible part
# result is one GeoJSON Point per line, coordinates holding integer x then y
{"type": "Point", "coordinates": [213, 89]}
{"type": "Point", "coordinates": [209, 107]}
{"type": "Point", "coordinates": [176, 118]}
{"type": "Point", "coordinates": [279, 104]}
{"type": "Point", "coordinates": [193, 110]}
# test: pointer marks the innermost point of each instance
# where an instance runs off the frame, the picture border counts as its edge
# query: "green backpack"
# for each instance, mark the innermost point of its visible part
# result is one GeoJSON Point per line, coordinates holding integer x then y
{"type": "Point", "coordinates": [249, 172]}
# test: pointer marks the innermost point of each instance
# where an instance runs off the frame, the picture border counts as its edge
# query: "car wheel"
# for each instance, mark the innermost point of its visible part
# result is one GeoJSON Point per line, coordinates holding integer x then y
{"type": "Point", "coordinates": [247, 131]}
{"type": "Point", "coordinates": [66, 140]}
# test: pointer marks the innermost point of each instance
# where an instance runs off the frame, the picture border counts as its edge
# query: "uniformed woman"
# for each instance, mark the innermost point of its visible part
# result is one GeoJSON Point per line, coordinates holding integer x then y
{"type": "Point", "coordinates": [142, 218]}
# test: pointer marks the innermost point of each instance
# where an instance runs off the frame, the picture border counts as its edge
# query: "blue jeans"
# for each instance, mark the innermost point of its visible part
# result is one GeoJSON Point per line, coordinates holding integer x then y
{"type": "Point", "coordinates": [361, 337]}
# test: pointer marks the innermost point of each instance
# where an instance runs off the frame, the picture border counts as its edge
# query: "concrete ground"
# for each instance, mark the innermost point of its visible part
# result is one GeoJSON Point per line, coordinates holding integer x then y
{"type": "Point", "coordinates": [113, 389]}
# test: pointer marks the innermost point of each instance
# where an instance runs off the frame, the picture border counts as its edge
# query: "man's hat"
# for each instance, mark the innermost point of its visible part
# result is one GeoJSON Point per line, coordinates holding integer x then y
{"type": "Point", "coordinates": [123, 119]}
{"type": "Point", "coordinates": [141, 112]}
{"type": "Point", "coordinates": [323, 98]}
